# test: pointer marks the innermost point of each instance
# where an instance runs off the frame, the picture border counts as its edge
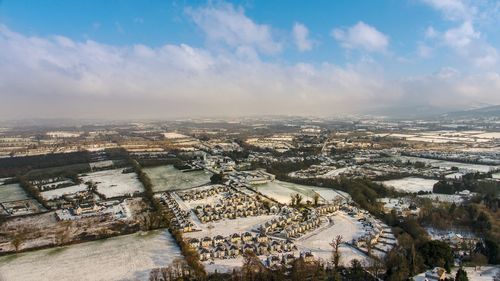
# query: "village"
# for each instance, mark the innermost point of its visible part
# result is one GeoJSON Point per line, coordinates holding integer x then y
{"type": "Point", "coordinates": [249, 140]}
{"type": "Point", "coordinates": [228, 197]}
{"type": "Point", "coordinates": [206, 213]}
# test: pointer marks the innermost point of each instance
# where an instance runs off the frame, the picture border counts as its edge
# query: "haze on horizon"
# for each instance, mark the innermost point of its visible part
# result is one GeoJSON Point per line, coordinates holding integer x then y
{"type": "Point", "coordinates": [95, 59]}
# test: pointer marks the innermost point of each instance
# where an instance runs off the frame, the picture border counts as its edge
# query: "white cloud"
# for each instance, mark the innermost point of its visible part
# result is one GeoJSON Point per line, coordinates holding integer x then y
{"type": "Point", "coordinates": [227, 24]}
{"type": "Point", "coordinates": [362, 36]}
{"type": "Point", "coordinates": [59, 77]}
{"type": "Point", "coordinates": [301, 37]}
{"type": "Point", "coordinates": [452, 9]}
{"type": "Point", "coordinates": [461, 36]}
{"type": "Point", "coordinates": [465, 39]}
{"type": "Point", "coordinates": [484, 55]}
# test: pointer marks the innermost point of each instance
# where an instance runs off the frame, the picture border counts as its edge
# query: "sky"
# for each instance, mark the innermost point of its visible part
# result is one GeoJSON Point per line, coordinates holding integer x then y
{"type": "Point", "coordinates": [168, 59]}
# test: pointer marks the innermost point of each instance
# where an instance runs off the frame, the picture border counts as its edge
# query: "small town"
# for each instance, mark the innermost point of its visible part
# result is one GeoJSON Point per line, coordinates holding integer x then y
{"type": "Point", "coordinates": [249, 140]}
{"type": "Point", "coordinates": [217, 205]}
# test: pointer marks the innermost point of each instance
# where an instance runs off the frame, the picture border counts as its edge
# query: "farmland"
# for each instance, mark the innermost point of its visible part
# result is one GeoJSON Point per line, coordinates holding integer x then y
{"type": "Point", "coordinates": [120, 258]}
{"type": "Point", "coordinates": [166, 178]}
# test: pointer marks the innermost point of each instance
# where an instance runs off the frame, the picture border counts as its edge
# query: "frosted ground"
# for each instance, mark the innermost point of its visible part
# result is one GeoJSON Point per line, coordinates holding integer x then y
{"type": "Point", "coordinates": [411, 184]}
{"type": "Point", "coordinates": [281, 191]}
{"type": "Point", "coordinates": [227, 227]}
{"type": "Point", "coordinates": [12, 192]}
{"type": "Point", "coordinates": [450, 198]}
{"type": "Point", "coordinates": [167, 177]}
{"type": "Point", "coordinates": [449, 164]}
{"type": "Point", "coordinates": [59, 192]}
{"type": "Point", "coordinates": [448, 136]}
{"type": "Point", "coordinates": [114, 183]}
{"type": "Point", "coordinates": [319, 241]}
{"type": "Point", "coordinates": [129, 257]}
{"type": "Point", "coordinates": [111, 183]}
{"type": "Point", "coordinates": [224, 266]}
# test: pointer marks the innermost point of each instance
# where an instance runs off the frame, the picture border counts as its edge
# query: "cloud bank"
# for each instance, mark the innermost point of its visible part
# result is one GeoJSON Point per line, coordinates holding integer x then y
{"type": "Point", "coordinates": [59, 77]}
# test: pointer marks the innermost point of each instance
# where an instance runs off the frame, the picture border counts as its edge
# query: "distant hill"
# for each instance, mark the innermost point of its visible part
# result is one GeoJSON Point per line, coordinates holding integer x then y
{"type": "Point", "coordinates": [489, 111]}
{"type": "Point", "coordinates": [410, 112]}
{"type": "Point", "coordinates": [435, 112]}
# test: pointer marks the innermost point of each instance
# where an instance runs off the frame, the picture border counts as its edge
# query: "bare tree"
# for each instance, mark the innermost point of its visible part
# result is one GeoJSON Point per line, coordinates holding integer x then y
{"type": "Point", "coordinates": [335, 250]}
{"type": "Point", "coordinates": [251, 266]}
{"type": "Point", "coordinates": [316, 199]}
{"type": "Point", "coordinates": [298, 199]}
{"type": "Point", "coordinates": [62, 235]}
{"type": "Point", "coordinates": [369, 244]}
{"type": "Point", "coordinates": [17, 241]}
{"type": "Point", "coordinates": [376, 267]}
{"type": "Point", "coordinates": [177, 270]}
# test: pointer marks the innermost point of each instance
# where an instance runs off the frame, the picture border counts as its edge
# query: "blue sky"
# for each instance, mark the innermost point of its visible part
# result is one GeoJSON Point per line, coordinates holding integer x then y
{"type": "Point", "coordinates": [315, 58]}
{"type": "Point", "coordinates": [156, 23]}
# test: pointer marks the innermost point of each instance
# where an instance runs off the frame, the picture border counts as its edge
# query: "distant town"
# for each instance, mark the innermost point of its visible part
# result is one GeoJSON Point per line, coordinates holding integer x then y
{"type": "Point", "coordinates": [270, 198]}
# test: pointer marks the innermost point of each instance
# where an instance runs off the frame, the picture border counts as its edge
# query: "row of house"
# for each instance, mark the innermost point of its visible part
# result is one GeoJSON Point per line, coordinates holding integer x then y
{"type": "Point", "coordinates": [181, 219]}
{"type": "Point", "coordinates": [198, 194]}
{"type": "Point", "coordinates": [252, 177]}
{"type": "Point", "coordinates": [237, 244]}
{"type": "Point", "coordinates": [232, 205]}
{"type": "Point", "coordinates": [292, 224]}
{"type": "Point", "coordinates": [326, 209]}
{"type": "Point", "coordinates": [297, 230]}
{"type": "Point", "coordinates": [376, 236]}
{"type": "Point", "coordinates": [286, 260]}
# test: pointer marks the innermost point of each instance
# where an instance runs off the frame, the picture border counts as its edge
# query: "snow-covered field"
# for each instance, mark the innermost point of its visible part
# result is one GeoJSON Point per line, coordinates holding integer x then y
{"type": "Point", "coordinates": [64, 134]}
{"type": "Point", "coordinates": [56, 193]}
{"type": "Point", "coordinates": [174, 135]}
{"type": "Point", "coordinates": [227, 227]}
{"type": "Point", "coordinates": [490, 135]}
{"type": "Point", "coordinates": [167, 177]}
{"type": "Point", "coordinates": [129, 257]}
{"type": "Point", "coordinates": [443, 197]}
{"type": "Point", "coordinates": [319, 242]}
{"type": "Point", "coordinates": [329, 194]}
{"type": "Point", "coordinates": [281, 191]}
{"type": "Point", "coordinates": [411, 184]}
{"type": "Point", "coordinates": [448, 164]}
{"type": "Point", "coordinates": [448, 136]}
{"type": "Point", "coordinates": [224, 266]}
{"type": "Point", "coordinates": [438, 234]}
{"type": "Point", "coordinates": [12, 192]}
{"type": "Point", "coordinates": [114, 183]}
{"type": "Point", "coordinates": [496, 176]}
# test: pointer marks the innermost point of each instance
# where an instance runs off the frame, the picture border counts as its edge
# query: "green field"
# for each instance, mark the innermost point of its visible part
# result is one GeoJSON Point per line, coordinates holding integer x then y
{"type": "Point", "coordinates": [166, 178]}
